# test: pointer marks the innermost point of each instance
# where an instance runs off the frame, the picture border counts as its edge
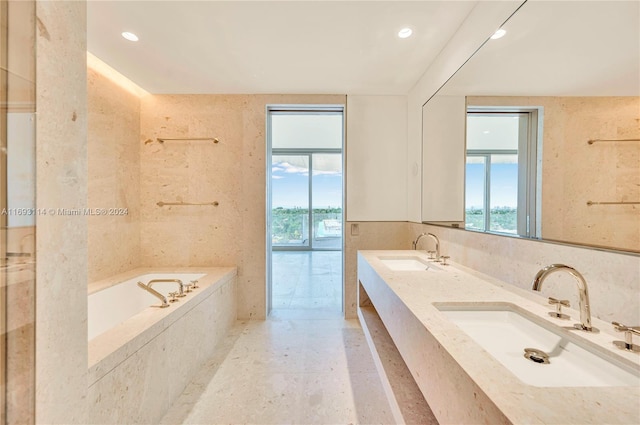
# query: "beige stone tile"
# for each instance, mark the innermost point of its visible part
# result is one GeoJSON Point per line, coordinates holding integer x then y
{"type": "Point", "coordinates": [296, 367]}
{"type": "Point", "coordinates": [113, 176]}
{"type": "Point", "coordinates": [343, 397]}
{"type": "Point", "coordinates": [372, 235]}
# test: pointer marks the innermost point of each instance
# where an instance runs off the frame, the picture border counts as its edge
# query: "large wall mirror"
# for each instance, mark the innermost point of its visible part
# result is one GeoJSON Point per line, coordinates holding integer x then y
{"type": "Point", "coordinates": [551, 146]}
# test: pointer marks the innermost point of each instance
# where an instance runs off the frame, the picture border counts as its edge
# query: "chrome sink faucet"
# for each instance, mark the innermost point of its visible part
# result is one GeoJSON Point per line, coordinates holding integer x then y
{"type": "Point", "coordinates": [435, 238]}
{"type": "Point", "coordinates": [585, 309]}
{"type": "Point", "coordinates": [414, 244]}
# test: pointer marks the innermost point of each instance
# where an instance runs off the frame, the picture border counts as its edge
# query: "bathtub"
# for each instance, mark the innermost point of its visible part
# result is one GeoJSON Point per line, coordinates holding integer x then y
{"type": "Point", "coordinates": [111, 306]}
{"type": "Point", "coordinates": [141, 357]}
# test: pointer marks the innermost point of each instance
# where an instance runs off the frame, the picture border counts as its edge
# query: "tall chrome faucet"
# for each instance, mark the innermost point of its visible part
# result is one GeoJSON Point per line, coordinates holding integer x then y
{"type": "Point", "coordinates": [414, 244]}
{"type": "Point", "coordinates": [585, 309]}
{"type": "Point", "coordinates": [435, 238]}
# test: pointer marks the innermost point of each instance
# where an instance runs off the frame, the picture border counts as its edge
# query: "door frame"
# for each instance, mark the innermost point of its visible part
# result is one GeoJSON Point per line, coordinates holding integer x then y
{"type": "Point", "coordinates": [302, 110]}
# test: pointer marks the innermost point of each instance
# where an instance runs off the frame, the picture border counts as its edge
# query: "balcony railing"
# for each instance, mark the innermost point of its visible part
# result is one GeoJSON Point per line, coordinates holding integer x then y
{"type": "Point", "coordinates": [290, 227]}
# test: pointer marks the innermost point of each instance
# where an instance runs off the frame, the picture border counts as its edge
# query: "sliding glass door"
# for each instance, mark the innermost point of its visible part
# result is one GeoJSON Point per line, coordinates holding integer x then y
{"type": "Point", "coordinates": [326, 200]}
{"type": "Point", "coordinates": [306, 200]}
{"type": "Point", "coordinates": [290, 200]}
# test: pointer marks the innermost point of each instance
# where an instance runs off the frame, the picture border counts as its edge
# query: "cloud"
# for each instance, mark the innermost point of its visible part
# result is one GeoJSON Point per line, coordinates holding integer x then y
{"type": "Point", "coordinates": [326, 173]}
{"type": "Point", "coordinates": [330, 165]}
{"type": "Point", "coordinates": [289, 168]}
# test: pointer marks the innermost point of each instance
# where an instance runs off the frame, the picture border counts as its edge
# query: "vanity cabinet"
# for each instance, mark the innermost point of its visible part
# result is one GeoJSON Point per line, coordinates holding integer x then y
{"type": "Point", "coordinates": [448, 391]}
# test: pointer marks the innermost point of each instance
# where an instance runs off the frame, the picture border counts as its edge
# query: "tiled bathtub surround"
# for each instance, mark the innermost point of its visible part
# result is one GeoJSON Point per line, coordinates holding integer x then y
{"type": "Point", "coordinates": [613, 278]}
{"type": "Point", "coordinates": [138, 368]}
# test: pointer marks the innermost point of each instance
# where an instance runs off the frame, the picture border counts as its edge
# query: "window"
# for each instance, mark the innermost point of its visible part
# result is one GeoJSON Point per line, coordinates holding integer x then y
{"type": "Point", "coordinates": [501, 170]}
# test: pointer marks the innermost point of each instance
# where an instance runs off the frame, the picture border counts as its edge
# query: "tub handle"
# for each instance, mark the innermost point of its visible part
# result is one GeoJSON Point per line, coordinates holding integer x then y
{"type": "Point", "coordinates": [194, 284]}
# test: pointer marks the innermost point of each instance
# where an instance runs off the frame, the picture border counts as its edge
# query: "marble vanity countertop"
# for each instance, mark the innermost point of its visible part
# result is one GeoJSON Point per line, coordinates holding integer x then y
{"type": "Point", "coordinates": [519, 402]}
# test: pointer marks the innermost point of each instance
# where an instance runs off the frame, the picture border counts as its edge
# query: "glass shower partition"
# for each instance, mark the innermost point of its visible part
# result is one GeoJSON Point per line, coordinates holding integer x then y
{"type": "Point", "coordinates": [17, 212]}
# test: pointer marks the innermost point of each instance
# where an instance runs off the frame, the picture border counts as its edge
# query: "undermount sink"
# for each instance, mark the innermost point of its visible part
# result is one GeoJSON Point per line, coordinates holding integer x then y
{"type": "Point", "coordinates": [407, 263]}
{"type": "Point", "coordinates": [505, 330]}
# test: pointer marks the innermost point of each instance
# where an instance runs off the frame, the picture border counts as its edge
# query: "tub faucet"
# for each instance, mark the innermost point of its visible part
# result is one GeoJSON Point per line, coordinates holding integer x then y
{"type": "Point", "coordinates": [585, 309]}
{"type": "Point", "coordinates": [155, 293]}
{"type": "Point", "coordinates": [178, 281]}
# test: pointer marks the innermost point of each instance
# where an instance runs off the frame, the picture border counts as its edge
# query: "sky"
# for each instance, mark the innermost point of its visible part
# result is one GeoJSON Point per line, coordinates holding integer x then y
{"type": "Point", "coordinates": [290, 184]}
{"type": "Point", "coordinates": [504, 185]}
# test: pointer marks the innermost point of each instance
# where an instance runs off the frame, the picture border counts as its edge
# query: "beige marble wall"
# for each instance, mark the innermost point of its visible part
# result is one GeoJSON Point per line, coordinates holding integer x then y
{"type": "Point", "coordinates": [574, 172]}
{"type": "Point", "coordinates": [231, 172]}
{"type": "Point", "coordinates": [371, 235]}
{"type": "Point", "coordinates": [113, 176]}
{"type": "Point", "coordinates": [61, 241]}
{"type": "Point", "coordinates": [613, 278]}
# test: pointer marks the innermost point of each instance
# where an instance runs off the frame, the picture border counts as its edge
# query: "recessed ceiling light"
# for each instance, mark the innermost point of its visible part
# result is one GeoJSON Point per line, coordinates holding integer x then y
{"type": "Point", "coordinates": [498, 34]}
{"type": "Point", "coordinates": [486, 132]}
{"type": "Point", "coordinates": [405, 32]}
{"type": "Point", "coordinates": [130, 36]}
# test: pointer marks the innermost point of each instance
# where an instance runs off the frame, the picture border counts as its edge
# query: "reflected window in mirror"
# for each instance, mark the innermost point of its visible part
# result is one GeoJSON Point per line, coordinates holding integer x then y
{"type": "Point", "coordinates": [501, 171]}
{"type": "Point", "coordinates": [580, 71]}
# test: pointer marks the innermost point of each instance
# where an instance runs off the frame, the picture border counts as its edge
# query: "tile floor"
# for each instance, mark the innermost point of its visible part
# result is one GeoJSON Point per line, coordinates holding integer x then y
{"type": "Point", "coordinates": [307, 279]}
{"type": "Point", "coordinates": [297, 367]}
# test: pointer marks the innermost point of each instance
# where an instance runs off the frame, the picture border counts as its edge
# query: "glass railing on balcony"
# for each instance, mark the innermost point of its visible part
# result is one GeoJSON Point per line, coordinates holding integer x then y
{"type": "Point", "coordinates": [290, 228]}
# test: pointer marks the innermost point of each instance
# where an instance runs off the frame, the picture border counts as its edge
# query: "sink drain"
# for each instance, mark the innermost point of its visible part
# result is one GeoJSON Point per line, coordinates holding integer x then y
{"type": "Point", "coordinates": [536, 355]}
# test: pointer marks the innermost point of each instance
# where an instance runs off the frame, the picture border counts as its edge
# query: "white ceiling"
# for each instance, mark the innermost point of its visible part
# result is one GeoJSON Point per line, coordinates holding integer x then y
{"type": "Point", "coordinates": [559, 48]}
{"type": "Point", "coordinates": [273, 46]}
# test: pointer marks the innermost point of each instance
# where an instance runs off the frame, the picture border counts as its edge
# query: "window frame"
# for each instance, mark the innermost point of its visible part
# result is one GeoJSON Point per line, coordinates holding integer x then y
{"type": "Point", "coordinates": [529, 167]}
